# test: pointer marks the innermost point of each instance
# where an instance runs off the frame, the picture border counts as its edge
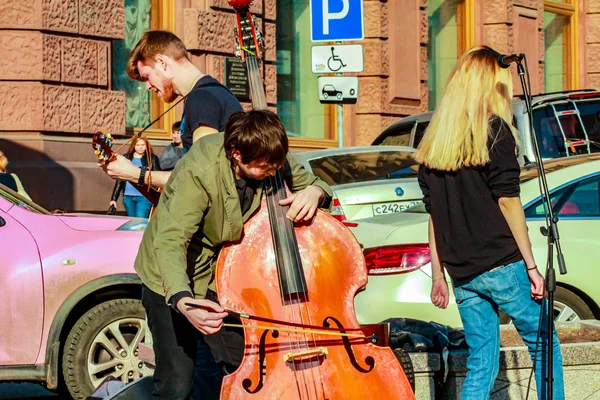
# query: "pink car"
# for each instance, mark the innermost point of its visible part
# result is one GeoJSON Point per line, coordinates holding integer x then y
{"type": "Point", "coordinates": [71, 312]}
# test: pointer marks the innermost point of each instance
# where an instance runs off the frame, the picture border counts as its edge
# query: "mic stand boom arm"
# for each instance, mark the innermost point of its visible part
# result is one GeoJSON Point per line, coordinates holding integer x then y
{"type": "Point", "coordinates": [550, 231]}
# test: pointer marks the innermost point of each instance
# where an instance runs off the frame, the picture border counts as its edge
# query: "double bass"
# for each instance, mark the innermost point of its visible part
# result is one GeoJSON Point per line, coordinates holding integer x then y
{"type": "Point", "coordinates": [299, 280]}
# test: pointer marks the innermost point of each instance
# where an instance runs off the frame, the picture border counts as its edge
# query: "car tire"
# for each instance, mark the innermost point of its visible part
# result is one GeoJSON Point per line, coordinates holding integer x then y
{"type": "Point", "coordinates": [567, 307]}
{"type": "Point", "coordinates": [325, 96]}
{"type": "Point", "coordinates": [339, 96]}
{"type": "Point", "coordinates": [407, 365]}
{"type": "Point", "coordinates": [570, 307]}
{"type": "Point", "coordinates": [120, 324]}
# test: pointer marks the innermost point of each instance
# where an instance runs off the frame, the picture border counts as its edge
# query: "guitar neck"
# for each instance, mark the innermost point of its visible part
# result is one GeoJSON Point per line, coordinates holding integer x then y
{"type": "Point", "coordinates": [259, 100]}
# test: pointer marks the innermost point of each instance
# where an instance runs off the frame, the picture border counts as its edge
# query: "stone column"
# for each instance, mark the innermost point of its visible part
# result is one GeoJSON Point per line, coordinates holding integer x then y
{"type": "Point", "coordinates": [55, 83]}
{"type": "Point", "coordinates": [394, 82]}
{"type": "Point", "coordinates": [592, 41]}
{"type": "Point", "coordinates": [515, 26]}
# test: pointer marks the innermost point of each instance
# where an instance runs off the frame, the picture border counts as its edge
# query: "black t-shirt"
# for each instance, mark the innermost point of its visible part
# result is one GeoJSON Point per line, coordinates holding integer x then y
{"type": "Point", "coordinates": [471, 233]}
{"type": "Point", "coordinates": [209, 103]}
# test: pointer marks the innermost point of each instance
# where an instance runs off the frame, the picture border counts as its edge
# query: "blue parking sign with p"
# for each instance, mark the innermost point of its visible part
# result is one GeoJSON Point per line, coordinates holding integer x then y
{"type": "Point", "coordinates": [336, 20]}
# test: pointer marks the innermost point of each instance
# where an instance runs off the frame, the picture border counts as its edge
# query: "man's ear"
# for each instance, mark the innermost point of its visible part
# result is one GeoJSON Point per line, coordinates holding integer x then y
{"type": "Point", "coordinates": [161, 61]}
{"type": "Point", "coordinates": [236, 155]}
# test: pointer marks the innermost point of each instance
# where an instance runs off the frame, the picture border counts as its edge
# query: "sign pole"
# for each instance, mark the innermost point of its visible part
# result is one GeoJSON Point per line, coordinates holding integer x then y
{"type": "Point", "coordinates": [340, 119]}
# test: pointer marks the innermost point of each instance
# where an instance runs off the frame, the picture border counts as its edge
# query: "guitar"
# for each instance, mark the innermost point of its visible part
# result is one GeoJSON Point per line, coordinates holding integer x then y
{"type": "Point", "coordinates": [102, 143]}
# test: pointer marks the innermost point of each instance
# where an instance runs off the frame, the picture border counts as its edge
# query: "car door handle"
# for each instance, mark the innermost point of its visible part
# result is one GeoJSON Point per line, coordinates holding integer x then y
{"type": "Point", "coordinates": [2, 222]}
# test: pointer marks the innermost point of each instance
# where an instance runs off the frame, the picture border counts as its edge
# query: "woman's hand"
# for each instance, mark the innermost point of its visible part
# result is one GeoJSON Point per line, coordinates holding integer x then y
{"type": "Point", "coordinates": [439, 293]}
{"type": "Point", "coordinates": [113, 203]}
{"type": "Point", "coordinates": [537, 283]}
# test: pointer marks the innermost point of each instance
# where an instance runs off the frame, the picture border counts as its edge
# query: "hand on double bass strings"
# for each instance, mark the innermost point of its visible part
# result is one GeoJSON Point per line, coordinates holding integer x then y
{"type": "Point", "coordinates": [205, 315]}
{"type": "Point", "coordinates": [304, 203]}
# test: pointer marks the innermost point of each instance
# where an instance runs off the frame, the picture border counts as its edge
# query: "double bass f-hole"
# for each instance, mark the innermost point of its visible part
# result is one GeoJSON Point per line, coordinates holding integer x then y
{"type": "Point", "coordinates": [262, 366]}
{"type": "Point", "coordinates": [370, 361]}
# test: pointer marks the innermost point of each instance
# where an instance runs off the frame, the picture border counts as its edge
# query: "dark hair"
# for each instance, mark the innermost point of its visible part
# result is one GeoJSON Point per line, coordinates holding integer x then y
{"type": "Point", "coordinates": [176, 126]}
{"type": "Point", "coordinates": [151, 44]}
{"type": "Point", "coordinates": [258, 135]}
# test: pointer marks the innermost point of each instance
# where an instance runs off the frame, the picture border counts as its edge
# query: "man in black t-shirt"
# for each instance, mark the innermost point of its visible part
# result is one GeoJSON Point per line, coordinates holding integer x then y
{"type": "Point", "coordinates": [207, 110]}
{"type": "Point", "coordinates": [161, 61]}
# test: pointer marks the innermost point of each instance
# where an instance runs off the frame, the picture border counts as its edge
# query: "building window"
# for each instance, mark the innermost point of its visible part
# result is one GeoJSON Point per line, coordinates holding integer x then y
{"type": "Point", "coordinates": [298, 103]}
{"type": "Point", "coordinates": [141, 107]}
{"type": "Point", "coordinates": [137, 21]}
{"type": "Point", "coordinates": [560, 58]}
{"type": "Point", "coordinates": [450, 34]}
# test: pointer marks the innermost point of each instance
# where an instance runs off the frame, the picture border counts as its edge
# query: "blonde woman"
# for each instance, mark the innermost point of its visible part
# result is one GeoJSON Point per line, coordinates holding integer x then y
{"type": "Point", "coordinates": [469, 176]}
{"type": "Point", "coordinates": [11, 181]}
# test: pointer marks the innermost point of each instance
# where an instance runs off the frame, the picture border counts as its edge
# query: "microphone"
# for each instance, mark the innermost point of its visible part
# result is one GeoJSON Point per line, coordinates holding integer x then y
{"type": "Point", "coordinates": [504, 60]}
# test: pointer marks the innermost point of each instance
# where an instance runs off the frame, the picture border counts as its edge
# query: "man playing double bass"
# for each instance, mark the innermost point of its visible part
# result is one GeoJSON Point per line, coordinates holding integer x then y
{"type": "Point", "coordinates": [211, 192]}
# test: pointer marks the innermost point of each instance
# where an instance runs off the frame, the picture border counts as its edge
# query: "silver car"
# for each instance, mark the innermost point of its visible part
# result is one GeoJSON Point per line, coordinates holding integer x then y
{"type": "Point", "coordinates": [566, 124]}
{"type": "Point", "coordinates": [366, 181]}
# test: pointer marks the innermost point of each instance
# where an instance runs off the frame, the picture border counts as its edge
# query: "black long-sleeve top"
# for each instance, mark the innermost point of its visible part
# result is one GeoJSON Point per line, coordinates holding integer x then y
{"type": "Point", "coordinates": [471, 233]}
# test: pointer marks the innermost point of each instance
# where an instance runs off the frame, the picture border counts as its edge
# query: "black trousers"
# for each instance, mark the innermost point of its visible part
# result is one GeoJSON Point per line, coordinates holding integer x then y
{"type": "Point", "coordinates": [185, 365]}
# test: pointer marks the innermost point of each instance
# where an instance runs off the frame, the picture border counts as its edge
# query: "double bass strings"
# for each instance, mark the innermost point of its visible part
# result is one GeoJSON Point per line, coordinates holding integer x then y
{"type": "Point", "coordinates": [291, 238]}
{"type": "Point", "coordinates": [277, 214]}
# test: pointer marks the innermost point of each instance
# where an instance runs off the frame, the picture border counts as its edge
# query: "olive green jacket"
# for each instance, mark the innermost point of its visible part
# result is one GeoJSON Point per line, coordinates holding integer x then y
{"type": "Point", "coordinates": [198, 211]}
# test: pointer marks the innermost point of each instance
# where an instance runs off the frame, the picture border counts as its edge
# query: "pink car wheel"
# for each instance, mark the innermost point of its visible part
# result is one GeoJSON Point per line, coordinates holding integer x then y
{"type": "Point", "coordinates": [105, 342]}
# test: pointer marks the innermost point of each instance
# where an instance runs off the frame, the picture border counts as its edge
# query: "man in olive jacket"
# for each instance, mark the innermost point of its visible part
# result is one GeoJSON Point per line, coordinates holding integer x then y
{"type": "Point", "coordinates": [212, 191]}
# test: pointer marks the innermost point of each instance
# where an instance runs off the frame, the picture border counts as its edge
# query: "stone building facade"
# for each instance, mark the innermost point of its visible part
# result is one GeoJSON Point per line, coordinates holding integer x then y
{"type": "Point", "coordinates": [57, 76]}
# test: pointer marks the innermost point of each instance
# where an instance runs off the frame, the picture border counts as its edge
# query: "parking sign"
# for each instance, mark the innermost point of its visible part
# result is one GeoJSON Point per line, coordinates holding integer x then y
{"type": "Point", "coordinates": [336, 20]}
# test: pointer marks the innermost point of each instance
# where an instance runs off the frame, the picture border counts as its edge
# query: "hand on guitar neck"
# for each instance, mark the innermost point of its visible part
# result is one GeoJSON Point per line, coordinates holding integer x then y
{"type": "Point", "coordinates": [118, 167]}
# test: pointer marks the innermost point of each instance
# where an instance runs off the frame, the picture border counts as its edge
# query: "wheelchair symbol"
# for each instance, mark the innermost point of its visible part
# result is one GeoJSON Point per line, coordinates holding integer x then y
{"type": "Point", "coordinates": [335, 61]}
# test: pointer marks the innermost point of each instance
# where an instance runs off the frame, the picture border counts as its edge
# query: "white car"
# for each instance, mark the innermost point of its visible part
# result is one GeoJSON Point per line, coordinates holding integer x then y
{"type": "Point", "coordinates": [397, 252]}
{"type": "Point", "coordinates": [366, 181]}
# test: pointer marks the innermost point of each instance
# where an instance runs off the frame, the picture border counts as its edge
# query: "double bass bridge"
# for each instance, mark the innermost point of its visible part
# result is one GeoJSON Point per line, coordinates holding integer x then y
{"type": "Point", "coordinates": [301, 356]}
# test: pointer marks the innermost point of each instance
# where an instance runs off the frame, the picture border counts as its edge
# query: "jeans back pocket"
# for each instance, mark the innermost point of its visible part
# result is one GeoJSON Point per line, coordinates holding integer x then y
{"type": "Point", "coordinates": [502, 282]}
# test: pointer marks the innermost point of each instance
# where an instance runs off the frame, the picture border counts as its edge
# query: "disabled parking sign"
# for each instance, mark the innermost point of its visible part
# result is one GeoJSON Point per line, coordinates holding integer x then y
{"type": "Point", "coordinates": [337, 58]}
{"type": "Point", "coordinates": [336, 20]}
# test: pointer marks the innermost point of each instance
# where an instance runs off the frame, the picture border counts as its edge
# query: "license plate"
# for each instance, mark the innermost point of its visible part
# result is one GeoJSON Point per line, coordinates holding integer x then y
{"type": "Point", "coordinates": [392, 208]}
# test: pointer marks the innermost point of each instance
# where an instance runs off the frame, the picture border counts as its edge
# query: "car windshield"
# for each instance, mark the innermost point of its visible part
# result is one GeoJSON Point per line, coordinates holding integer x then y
{"type": "Point", "coordinates": [20, 201]}
{"type": "Point", "coordinates": [550, 136]}
{"type": "Point", "coordinates": [339, 169]}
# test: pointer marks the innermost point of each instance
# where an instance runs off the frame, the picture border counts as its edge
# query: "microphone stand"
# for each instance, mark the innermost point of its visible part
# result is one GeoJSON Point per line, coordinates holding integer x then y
{"type": "Point", "coordinates": [550, 231]}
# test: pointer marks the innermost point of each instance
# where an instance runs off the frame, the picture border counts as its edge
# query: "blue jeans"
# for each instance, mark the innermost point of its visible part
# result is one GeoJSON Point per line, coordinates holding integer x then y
{"type": "Point", "coordinates": [478, 299]}
{"type": "Point", "coordinates": [137, 206]}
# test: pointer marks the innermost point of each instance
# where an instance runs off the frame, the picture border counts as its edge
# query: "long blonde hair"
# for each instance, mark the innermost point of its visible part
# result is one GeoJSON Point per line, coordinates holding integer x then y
{"type": "Point", "coordinates": [459, 130]}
